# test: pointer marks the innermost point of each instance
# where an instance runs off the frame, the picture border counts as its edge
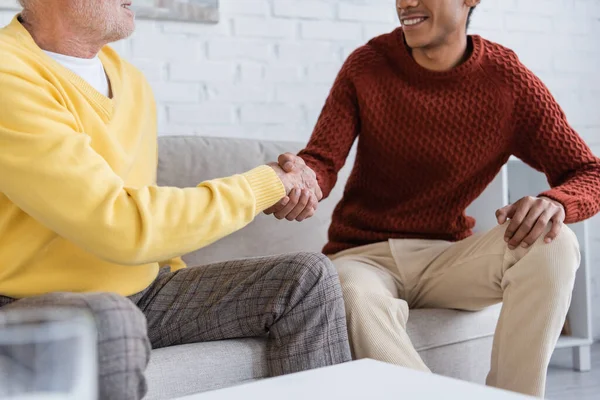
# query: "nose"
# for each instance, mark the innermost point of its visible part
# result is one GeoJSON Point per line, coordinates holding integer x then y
{"type": "Point", "coordinates": [406, 4]}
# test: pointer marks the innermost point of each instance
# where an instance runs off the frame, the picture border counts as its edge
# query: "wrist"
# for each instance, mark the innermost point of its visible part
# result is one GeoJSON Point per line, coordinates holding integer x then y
{"type": "Point", "coordinates": [282, 176]}
{"type": "Point", "coordinates": [556, 203]}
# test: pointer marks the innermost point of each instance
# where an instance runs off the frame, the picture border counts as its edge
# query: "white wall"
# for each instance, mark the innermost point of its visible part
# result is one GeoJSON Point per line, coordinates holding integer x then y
{"type": "Point", "coordinates": [265, 69]}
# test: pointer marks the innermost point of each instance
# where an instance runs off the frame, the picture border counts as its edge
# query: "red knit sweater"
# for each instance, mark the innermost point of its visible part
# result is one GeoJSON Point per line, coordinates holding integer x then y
{"type": "Point", "coordinates": [430, 142]}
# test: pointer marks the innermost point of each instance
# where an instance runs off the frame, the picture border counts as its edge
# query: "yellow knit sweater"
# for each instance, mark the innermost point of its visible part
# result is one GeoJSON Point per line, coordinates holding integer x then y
{"type": "Point", "coordinates": [79, 207]}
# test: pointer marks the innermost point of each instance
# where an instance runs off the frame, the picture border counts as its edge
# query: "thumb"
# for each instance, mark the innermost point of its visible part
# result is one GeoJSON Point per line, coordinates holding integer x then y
{"type": "Point", "coordinates": [319, 193]}
{"type": "Point", "coordinates": [286, 162]}
{"type": "Point", "coordinates": [503, 214]}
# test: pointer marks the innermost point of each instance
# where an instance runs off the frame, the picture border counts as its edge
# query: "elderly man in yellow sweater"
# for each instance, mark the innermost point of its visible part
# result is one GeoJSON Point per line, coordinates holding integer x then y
{"type": "Point", "coordinates": [83, 224]}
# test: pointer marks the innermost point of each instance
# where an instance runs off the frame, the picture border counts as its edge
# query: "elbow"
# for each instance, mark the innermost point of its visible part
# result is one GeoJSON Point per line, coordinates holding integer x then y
{"type": "Point", "coordinates": [122, 244]}
{"type": "Point", "coordinates": [127, 237]}
{"type": "Point", "coordinates": [121, 252]}
{"type": "Point", "coordinates": [126, 256]}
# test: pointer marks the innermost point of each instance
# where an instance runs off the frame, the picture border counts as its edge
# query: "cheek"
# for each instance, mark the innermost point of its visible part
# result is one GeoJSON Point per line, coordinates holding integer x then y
{"type": "Point", "coordinates": [449, 22]}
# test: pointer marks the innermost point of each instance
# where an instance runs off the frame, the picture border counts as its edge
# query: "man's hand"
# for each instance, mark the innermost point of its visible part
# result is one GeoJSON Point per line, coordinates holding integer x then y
{"type": "Point", "coordinates": [529, 218]}
{"type": "Point", "coordinates": [301, 185]}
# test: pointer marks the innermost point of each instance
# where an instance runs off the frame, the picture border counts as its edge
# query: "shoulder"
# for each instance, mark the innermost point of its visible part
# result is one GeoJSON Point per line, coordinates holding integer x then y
{"type": "Point", "coordinates": [504, 65]}
{"type": "Point", "coordinates": [23, 75]}
{"type": "Point", "coordinates": [17, 60]}
{"type": "Point", "coordinates": [528, 91]}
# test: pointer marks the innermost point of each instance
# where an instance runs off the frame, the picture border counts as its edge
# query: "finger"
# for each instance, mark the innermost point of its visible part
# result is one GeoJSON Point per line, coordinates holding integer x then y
{"type": "Point", "coordinates": [294, 197]}
{"type": "Point", "coordinates": [503, 214]}
{"type": "Point", "coordinates": [518, 215]}
{"type": "Point", "coordinates": [304, 200]}
{"type": "Point", "coordinates": [318, 192]}
{"type": "Point", "coordinates": [287, 161]}
{"type": "Point", "coordinates": [525, 227]}
{"type": "Point", "coordinates": [309, 210]}
{"type": "Point", "coordinates": [538, 230]}
{"type": "Point", "coordinates": [557, 224]}
{"type": "Point", "coordinates": [280, 204]}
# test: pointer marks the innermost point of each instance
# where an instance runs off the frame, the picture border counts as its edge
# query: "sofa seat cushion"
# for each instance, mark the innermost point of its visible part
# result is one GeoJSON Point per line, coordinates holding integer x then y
{"type": "Point", "coordinates": [213, 365]}
{"type": "Point", "coordinates": [432, 328]}
{"type": "Point", "coordinates": [191, 368]}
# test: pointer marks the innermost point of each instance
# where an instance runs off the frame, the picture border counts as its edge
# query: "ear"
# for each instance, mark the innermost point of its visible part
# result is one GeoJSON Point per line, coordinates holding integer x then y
{"type": "Point", "coordinates": [472, 3]}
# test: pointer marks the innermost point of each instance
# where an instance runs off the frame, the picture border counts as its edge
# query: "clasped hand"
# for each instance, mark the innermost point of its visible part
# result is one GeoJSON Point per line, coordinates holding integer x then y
{"type": "Point", "coordinates": [301, 186]}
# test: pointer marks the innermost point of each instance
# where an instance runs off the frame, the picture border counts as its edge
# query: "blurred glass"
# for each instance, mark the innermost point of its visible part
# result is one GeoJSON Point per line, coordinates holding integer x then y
{"type": "Point", "coordinates": [47, 353]}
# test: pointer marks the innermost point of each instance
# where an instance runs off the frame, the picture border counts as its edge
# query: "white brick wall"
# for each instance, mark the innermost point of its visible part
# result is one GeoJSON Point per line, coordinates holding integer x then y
{"type": "Point", "coordinates": [264, 70]}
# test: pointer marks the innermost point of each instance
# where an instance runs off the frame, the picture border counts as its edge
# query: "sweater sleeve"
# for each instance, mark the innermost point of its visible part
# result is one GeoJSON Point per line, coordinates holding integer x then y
{"type": "Point", "coordinates": [547, 142]}
{"type": "Point", "coordinates": [335, 131]}
{"type": "Point", "coordinates": [50, 171]}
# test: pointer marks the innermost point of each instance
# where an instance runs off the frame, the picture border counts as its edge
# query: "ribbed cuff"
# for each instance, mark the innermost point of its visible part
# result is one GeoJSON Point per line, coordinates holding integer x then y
{"type": "Point", "coordinates": [570, 204]}
{"type": "Point", "coordinates": [266, 185]}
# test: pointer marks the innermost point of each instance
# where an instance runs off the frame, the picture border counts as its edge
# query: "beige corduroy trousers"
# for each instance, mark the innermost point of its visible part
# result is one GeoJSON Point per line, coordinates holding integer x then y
{"type": "Point", "coordinates": [382, 281]}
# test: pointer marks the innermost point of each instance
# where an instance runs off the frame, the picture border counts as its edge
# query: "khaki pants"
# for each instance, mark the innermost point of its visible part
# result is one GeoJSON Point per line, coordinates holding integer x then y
{"type": "Point", "coordinates": [380, 282]}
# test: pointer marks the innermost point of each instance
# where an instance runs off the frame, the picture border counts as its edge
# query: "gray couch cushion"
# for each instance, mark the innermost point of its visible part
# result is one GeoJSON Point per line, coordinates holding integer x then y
{"type": "Point", "coordinates": [431, 328]}
{"type": "Point", "coordinates": [181, 370]}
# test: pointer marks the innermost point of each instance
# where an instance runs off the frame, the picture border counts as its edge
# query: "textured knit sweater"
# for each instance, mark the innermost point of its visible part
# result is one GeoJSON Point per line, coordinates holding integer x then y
{"type": "Point", "coordinates": [429, 142]}
{"type": "Point", "coordinates": [79, 207]}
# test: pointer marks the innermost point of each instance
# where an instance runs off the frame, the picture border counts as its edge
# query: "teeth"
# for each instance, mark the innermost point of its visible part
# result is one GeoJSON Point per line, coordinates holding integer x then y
{"type": "Point", "coordinates": [413, 21]}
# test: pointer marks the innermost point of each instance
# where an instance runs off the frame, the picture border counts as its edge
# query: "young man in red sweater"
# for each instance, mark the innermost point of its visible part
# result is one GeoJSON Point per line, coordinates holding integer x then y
{"type": "Point", "coordinates": [437, 114]}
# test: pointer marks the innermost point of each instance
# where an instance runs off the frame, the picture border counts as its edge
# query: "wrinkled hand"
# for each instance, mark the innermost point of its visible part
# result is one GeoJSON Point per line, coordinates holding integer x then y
{"type": "Point", "coordinates": [529, 218]}
{"type": "Point", "coordinates": [301, 186]}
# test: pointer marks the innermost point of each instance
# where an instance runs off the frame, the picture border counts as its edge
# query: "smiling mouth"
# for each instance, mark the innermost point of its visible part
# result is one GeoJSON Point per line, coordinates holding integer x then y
{"type": "Point", "coordinates": [413, 21]}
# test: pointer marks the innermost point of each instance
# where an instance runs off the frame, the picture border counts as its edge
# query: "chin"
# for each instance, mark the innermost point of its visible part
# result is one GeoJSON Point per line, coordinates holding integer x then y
{"type": "Point", "coordinates": [416, 42]}
{"type": "Point", "coordinates": [122, 32]}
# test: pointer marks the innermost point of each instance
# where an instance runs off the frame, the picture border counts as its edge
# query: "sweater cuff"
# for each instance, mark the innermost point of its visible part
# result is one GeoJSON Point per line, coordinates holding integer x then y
{"type": "Point", "coordinates": [570, 204]}
{"type": "Point", "coordinates": [266, 186]}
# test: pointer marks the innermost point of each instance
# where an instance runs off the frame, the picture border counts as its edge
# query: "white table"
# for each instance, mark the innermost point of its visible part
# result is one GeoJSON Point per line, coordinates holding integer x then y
{"type": "Point", "coordinates": [365, 379]}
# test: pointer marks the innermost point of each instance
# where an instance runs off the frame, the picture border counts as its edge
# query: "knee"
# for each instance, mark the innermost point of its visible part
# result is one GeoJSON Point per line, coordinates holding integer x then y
{"type": "Point", "coordinates": [557, 262]}
{"type": "Point", "coordinates": [563, 250]}
{"type": "Point", "coordinates": [116, 316]}
{"type": "Point", "coordinates": [123, 345]}
{"type": "Point", "coordinates": [313, 266]}
{"type": "Point", "coordinates": [566, 242]}
{"type": "Point", "coordinates": [121, 327]}
{"type": "Point", "coordinates": [316, 270]}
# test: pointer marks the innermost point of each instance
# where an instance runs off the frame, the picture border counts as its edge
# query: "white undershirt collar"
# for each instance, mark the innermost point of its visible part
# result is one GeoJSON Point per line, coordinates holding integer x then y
{"type": "Point", "coordinates": [89, 69]}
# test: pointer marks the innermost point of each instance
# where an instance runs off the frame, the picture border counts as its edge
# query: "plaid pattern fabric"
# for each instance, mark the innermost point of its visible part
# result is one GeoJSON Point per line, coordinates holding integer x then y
{"type": "Point", "coordinates": [295, 301]}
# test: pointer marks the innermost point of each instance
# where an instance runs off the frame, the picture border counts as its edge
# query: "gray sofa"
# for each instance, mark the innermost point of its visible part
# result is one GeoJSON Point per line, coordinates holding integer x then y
{"type": "Point", "coordinates": [452, 343]}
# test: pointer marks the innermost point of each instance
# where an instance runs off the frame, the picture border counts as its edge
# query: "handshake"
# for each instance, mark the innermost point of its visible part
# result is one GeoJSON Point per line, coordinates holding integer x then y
{"type": "Point", "coordinates": [301, 186]}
